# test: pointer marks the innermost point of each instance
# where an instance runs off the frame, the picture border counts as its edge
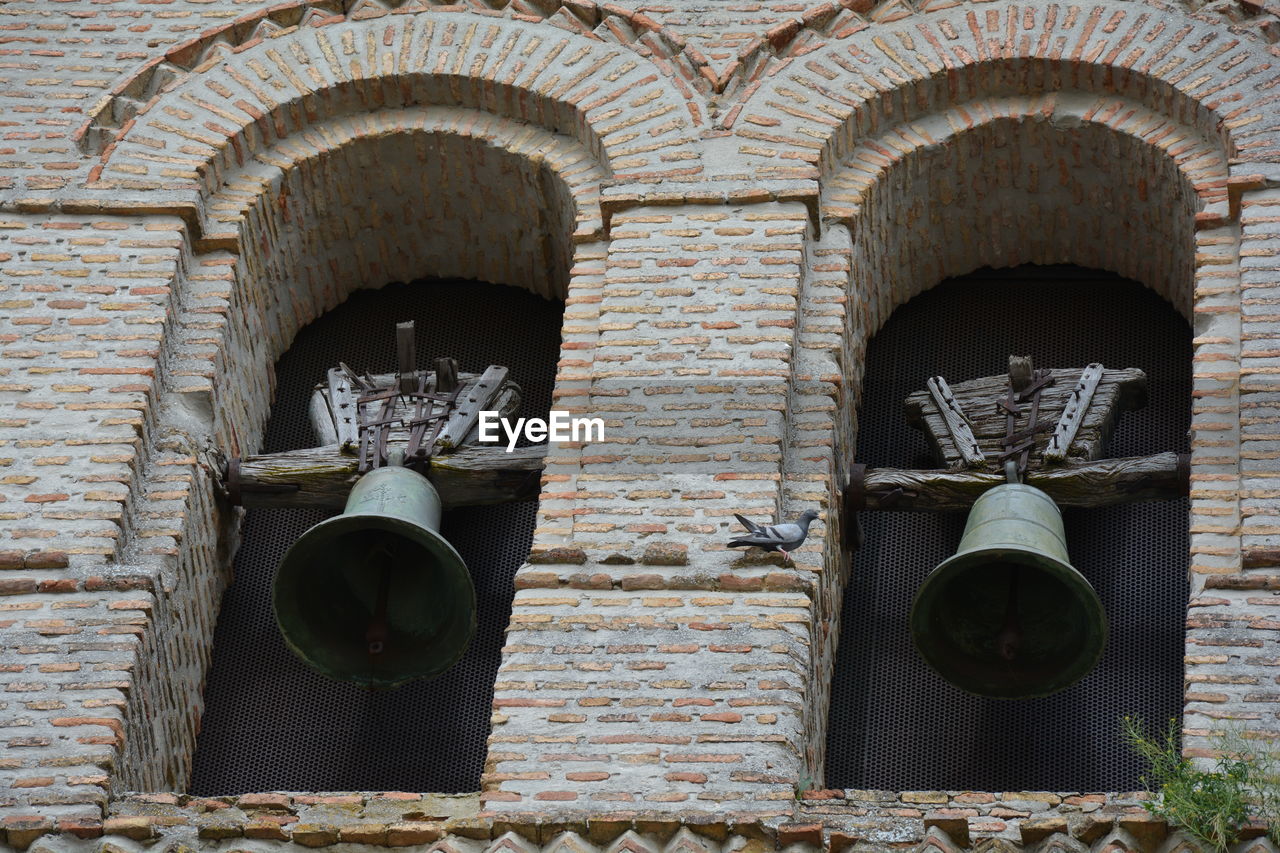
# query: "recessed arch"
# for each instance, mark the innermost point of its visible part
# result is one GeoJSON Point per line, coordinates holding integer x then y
{"type": "Point", "coordinates": [1062, 178]}
{"type": "Point", "coordinates": [271, 723]}
{"type": "Point", "coordinates": [894, 723]}
{"type": "Point", "coordinates": [348, 203]}
{"type": "Point", "coordinates": [363, 200]}
{"type": "Point", "coordinates": [1094, 169]}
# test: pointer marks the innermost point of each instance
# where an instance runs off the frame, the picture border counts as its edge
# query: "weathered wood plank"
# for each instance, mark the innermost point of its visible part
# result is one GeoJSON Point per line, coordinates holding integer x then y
{"type": "Point", "coordinates": [1103, 482]}
{"type": "Point", "coordinates": [1021, 372]}
{"type": "Point", "coordinates": [446, 371]}
{"type": "Point", "coordinates": [321, 477]}
{"type": "Point", "coordinates": [1073, 413]}
{"type": "Point", "coordinates": [322, 419]}
{"type": "Point", "coordinates": [477, 398]}
{"type": "Point", "coordinates": [506, 404]}
{"type": "Point", "coordinates": [342, 399]}
{"type": "Point", "coordinates": [956, 421]}
{"type": "Point", "coordinates": [1117, 391]}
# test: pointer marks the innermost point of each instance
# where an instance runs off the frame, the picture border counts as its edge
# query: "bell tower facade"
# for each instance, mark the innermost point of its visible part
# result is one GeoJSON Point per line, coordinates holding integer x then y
{"type": "Point", "coordinates": [730, 204]}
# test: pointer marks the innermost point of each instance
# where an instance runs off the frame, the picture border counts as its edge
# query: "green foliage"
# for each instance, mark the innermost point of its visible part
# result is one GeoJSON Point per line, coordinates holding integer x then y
{"type": "Point", "coordinates": [806, 782]}
{"type": "Point", "coordinates": [1211, 806]}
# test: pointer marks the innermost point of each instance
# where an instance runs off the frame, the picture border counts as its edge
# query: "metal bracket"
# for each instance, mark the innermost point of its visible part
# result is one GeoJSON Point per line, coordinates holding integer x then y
{"type": "Point", "coordinates": [1025, 386]}
{"type": "Point", "coordinates": [856, 492]}
{"type": "Point", "coordinates": [431, 410]}
{"type": "Point", "coordinates": [855, 498]}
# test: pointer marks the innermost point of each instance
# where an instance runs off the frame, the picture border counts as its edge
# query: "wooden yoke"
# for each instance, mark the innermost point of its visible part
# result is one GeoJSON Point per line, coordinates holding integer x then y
{"type": "Point", "coordinates": [358, 418]}
{"type": "Point", "coordinates": [1054, 423]}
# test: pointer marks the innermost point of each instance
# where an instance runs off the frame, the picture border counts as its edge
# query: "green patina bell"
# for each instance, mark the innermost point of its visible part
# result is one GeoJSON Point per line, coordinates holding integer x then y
{"type": "Point", "coordinates": [376, 595]}
{"type": "Point", "coordinates": [1007, 616]}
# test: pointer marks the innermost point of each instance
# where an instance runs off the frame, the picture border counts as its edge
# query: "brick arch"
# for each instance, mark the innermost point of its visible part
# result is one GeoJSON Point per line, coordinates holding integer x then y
{"type": "Point", "coordinates": [320, 215]}
{"type": "Point", "coordinates": [875, 110]}
{"type": "Point", "coordinates": [203, 126]}
{"type": "Point", "coordinates": [830, 94]}
{"type": "Point", "coordinates": [808, 29]}
{"type": "Point", "coordinates": [1005, 180]}
{"type": "Point", "coordinates": [607, 24]}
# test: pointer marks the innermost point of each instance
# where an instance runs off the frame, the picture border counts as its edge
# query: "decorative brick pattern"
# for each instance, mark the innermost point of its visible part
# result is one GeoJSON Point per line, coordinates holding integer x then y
{"type": "Point", "coordinates": [209, 122]}
{"type": "Point", "coordinates": [816, 108]}
{"type": "Point", "coordinates": [918, 821]}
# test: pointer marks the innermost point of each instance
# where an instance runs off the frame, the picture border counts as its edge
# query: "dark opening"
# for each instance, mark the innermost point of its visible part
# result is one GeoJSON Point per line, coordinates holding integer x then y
{"type": "Point", "coordinates": [270, 723]}
{"type": "Point", "coordinates": [896, 725]}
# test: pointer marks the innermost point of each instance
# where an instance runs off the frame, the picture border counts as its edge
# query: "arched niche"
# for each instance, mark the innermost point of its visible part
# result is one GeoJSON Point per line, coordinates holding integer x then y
{"type": "Point", "coordinates": [347, 205]}
{"type": "Point", "coordinates": [205, 122]}
{"type": "Point", "coordinates": [386, 197]}
{"type": "Point", "coordinates": [1067, 177]}
{"type": "Point", "coordinates": [1006, 180]}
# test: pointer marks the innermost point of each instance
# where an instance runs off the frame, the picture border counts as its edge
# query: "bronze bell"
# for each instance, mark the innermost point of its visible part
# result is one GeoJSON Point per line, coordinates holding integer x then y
{"type": "Point", "coordinates": [376, 595]}
{"type": "Point", "coordinates": [1007, 616]}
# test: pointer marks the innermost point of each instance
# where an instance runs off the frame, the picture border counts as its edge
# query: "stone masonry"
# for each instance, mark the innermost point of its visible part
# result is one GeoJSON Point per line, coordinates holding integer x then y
{"type": "Point", "coordinates": [730, 198]}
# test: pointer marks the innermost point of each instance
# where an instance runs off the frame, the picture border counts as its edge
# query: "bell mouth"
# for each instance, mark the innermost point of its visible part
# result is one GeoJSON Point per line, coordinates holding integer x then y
{"type": "Point", "coordinates": [1008, 623]}
{"type": "Point", "coordinates": [374, 599]}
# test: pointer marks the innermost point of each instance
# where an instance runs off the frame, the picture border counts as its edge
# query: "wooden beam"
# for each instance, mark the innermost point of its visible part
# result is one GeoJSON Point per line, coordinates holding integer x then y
{"type": "Point", "coordinates": [323, 476]}
{"type": "Point", "coordinates": [406, 357]}
{"type": "Point", "coordinates": [1103, 482]}
{"type": "Point", "coordinates": [322, 419]}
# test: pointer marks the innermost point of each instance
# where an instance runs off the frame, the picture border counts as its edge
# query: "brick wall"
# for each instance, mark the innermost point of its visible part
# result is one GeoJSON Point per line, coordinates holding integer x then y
{"type": "Point", "coordinates": [730, 206]}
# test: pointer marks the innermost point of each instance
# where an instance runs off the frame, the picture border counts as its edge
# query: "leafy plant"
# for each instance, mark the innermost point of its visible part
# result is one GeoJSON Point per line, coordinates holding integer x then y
{"type": "Point", "coordinates": [806, 782]}
{"type": "Point", "coordinates": [1211, 806]}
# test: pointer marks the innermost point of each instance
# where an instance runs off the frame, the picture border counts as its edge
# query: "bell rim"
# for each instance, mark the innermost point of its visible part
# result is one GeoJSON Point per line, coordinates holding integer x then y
{"type": "Point", "coordinates": [353, 522]}
{"type": "Point", "coordinates": [1031, 558]}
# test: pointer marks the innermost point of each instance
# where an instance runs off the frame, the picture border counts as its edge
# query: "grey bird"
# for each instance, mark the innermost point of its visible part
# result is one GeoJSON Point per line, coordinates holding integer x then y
{"type": "Point", "coordinates": [776, 537]}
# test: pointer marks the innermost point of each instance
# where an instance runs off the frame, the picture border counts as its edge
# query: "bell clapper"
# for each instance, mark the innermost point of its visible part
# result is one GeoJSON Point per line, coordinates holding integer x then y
{"type": "Point", "coordinates": [377, 634]}
{"type": "Point", "coordinates": [1009, 640]}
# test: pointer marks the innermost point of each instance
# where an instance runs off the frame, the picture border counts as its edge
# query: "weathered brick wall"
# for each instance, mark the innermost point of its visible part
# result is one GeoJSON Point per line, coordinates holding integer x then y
{"type": "Point", "coordinates": [689, 370]}
{"type": "Point", "coordinates": [731, 204]}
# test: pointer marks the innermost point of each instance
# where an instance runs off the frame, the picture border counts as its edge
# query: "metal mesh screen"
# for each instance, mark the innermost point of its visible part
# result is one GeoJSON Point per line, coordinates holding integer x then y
{"type": "Point", "coordinates": [896, 725]}
{"type": "Point", "coordinates": [270, 723]}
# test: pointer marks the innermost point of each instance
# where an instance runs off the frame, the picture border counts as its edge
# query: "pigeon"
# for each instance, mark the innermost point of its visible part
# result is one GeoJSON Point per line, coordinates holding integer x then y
{"type": "Point", "coordinates": [777, 537]}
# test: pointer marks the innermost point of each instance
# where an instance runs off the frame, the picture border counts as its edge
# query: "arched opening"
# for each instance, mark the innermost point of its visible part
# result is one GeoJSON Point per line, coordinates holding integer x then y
{"type": "Point", "coordinates": [348, 206]}
{"type": "Point", "coordinates": [997, 181]}
{"type": "Point", "coordinates": [270, 723]}
{"type": "Point", "coordinates": [895, 724]}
